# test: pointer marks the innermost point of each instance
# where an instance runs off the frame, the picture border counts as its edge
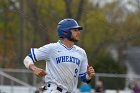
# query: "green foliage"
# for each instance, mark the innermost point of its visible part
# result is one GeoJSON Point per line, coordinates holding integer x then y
{"type": "Point", "coordinates": [113, 83]}
{"type": "Point", "coordinates": [40, 20]}
{"type": "Point", "coordinates": [106, 64]}
{"type": "Point", "coordinates": [102, 27]}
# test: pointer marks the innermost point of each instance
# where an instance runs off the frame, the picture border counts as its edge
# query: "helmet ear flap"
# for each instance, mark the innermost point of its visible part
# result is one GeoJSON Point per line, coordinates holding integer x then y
{"type": "Point", "coordinates": [68, 34]}
{"type": "Point", "coordinates": [64, 33]}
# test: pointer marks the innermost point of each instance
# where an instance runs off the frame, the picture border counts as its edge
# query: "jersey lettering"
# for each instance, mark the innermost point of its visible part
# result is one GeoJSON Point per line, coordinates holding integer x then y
{"type": "Point", "coordinates": [68, 59]}
{"type": "Point", "coordinates": [76, 71]}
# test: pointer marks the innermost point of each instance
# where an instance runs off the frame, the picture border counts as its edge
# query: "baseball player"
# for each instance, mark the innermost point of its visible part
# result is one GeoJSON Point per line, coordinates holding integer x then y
{"type": "Point", "coordinates": [65, 61]}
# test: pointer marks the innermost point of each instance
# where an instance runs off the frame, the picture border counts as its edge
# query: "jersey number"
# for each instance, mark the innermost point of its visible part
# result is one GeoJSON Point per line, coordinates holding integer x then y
{"type": "Point", "coordinates": [76, 71]}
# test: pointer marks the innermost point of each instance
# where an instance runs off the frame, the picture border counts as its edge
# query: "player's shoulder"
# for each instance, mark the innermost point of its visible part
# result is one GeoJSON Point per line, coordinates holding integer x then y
{"type": "Point", "coordinates": [50, 45]}
{"type": "Point", "coordinates": [80, 49]}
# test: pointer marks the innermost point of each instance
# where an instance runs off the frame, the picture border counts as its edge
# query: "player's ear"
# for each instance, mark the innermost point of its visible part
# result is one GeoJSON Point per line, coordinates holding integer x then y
{"type": "Point", "coordinates": [87, 67]}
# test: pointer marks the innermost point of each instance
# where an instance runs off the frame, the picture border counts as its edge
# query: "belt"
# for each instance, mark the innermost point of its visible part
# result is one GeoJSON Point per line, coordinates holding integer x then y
{"type": "Point", "coordinates": [58, 88]}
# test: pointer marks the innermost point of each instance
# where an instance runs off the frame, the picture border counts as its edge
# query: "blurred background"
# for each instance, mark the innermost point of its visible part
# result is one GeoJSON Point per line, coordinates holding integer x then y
{"type": "Point", "coordinates": [111, 39]}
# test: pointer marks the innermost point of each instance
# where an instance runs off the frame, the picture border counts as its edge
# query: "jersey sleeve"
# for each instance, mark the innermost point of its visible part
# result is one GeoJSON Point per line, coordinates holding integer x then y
{"type": "Point", "coordinates": [41, 53]}
{"type": "Point", "coordinates": [83, 67]}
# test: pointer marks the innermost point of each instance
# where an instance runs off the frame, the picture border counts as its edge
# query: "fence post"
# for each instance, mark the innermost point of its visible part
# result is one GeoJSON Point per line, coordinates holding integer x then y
{"type": "Point", "coordinates": [2, 80]}
{"type": "Point", "coordinates": [34, 80]}
{"type": "Point", "coordinates": [12, 86]}
{"type": "Point", "coordinates": [96, 79]}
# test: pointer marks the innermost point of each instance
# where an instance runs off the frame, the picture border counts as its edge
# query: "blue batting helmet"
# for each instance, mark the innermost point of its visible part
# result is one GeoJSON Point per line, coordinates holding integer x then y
{"type": "Point", "coordinates": [65, 25]}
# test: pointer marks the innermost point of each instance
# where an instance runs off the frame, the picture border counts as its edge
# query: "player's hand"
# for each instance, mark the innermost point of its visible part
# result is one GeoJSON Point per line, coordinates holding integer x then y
{"type": "Point", "coordinates": [37, 71]}
{"type": "Point", "coordinates": [40, 72]}
{"type": "Point", "coordinates": [90, 71]}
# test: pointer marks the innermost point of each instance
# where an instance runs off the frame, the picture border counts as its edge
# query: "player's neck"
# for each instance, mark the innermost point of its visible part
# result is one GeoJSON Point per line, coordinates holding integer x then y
{"type": "Point", "coordinates": [67, 43]}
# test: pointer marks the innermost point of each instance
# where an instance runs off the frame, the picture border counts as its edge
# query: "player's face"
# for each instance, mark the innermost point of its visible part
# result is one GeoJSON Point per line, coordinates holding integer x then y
{"type": "Point", "coordinates": [75, 35]}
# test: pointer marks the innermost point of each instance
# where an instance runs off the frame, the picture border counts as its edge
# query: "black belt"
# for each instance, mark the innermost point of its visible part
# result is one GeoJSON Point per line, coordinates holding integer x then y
{"type": "Point", "coordinates": [58, 88]}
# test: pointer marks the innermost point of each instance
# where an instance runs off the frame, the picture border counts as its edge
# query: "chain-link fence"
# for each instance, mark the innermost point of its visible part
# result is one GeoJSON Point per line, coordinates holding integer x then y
{"type": "Point", "coordinates": [23, 77]}
{"type": "Point", "coordinates": [18, 80]}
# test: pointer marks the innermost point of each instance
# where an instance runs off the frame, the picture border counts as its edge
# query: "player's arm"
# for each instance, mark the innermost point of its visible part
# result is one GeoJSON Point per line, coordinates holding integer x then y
{"type": "Point", "coordinates": [28, 62]}
{"type": "Point", "coordinates": [86, 77]}
{"type": "Point", "coordinates": [86, 71]}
